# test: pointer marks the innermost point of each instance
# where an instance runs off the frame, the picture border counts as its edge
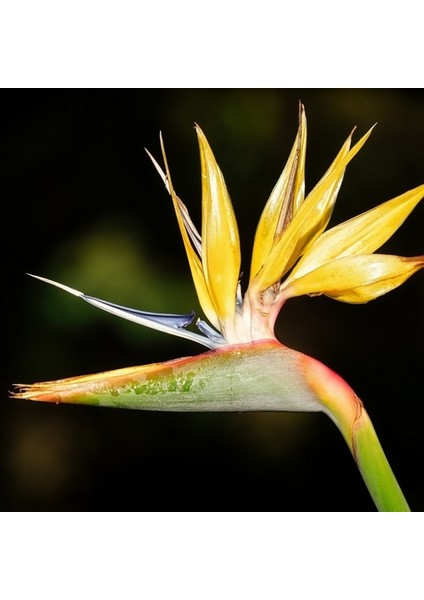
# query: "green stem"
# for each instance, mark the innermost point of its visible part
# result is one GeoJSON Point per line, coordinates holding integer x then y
{"type": "Point", "coordinates": [375, 468]}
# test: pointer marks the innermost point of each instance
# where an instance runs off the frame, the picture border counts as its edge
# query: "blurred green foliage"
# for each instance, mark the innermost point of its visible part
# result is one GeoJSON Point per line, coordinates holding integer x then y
{"type": "Point", "coordinates": [83, 205]}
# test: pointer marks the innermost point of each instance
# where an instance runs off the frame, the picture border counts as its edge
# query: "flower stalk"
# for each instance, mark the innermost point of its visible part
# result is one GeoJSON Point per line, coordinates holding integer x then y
{"type": "Point", "coordinates": [343, 406]}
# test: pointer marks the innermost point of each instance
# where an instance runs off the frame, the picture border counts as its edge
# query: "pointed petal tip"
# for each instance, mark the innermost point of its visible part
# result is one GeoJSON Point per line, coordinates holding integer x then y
{"type": "Point", "coordinates": [61, 286]}
{"type": "Point", "coordinates": [202, 139]}
{"type": "Point", "coordinates": [417, 260]}
{"type": "Point", "coordinates": [159, 169]}
{"type": "Point", "coordinates": [365, 136]}
{"type": "Point", "coordinates": [199, 131]}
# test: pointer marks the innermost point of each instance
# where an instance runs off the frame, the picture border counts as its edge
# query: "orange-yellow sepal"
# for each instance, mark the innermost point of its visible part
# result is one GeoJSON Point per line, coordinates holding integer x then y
{"type": "Point", "coordinates": [309, 221]}
{"type": "Point", "coordinates": [360, 235]}
{"type": "Point", "coordinates": [284, 201]}
{"type": "Point", "coordinates": [220, 239]}
{"type": "Point", "coordinates": [214, 257]}
{"type": "Point", "coordinates": [194, 260]}
{"type": "Point", "coordinates": [356, 279]}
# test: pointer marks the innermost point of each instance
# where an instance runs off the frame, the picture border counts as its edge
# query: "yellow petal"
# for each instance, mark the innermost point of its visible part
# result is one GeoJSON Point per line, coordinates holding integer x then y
{"type": "Point", "coordinates": [361, 235]}
{"type": "Point", "coordinates": [284, 201]}
{"type": "Point", "coordinates": [195, 264]}
{"type": "Point", "coordinates": [356, 279]}
{"type": "Point", "coordinates": [220, 238]}
{"type": "Point", "coordinates": [310, 220]}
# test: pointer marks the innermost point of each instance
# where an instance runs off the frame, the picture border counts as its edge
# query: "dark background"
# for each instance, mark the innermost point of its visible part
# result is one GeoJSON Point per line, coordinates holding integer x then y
{"type": "Point", "coordinates": [83, 205]}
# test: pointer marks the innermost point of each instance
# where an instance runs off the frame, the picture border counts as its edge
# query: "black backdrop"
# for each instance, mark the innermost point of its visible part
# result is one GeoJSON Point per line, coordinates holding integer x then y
{"type": "Point", "coordinates": [83, 205]}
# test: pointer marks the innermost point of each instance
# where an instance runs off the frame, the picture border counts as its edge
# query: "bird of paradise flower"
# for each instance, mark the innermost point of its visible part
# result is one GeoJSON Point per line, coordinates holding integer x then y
{"type": "Point", "coordinates": [246, 368]}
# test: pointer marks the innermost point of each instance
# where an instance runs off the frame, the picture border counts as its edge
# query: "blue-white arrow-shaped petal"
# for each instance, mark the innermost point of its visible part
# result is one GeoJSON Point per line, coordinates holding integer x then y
{"type": "Point", "coordinates": [173, 324]}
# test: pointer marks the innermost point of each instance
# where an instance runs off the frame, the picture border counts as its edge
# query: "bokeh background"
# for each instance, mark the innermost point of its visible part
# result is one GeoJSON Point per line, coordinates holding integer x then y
{"type": "Point", "coordinates": [83, 205]}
